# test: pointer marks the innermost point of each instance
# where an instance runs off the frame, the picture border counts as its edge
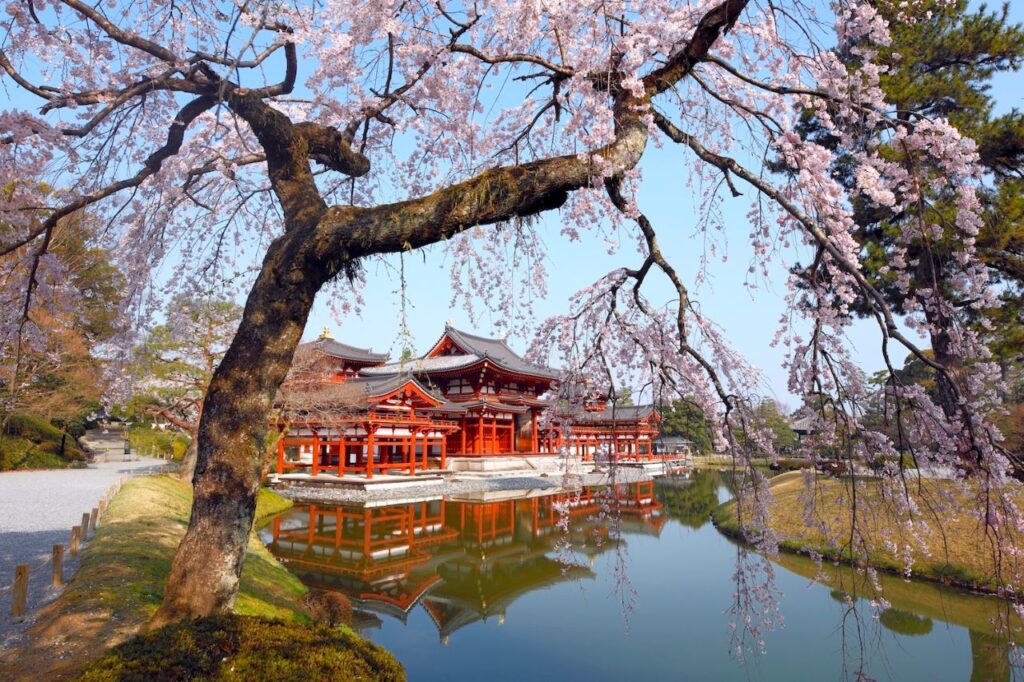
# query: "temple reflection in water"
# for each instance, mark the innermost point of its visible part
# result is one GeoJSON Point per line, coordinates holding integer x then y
{"type": "Point", "coordinates": [462, 560]}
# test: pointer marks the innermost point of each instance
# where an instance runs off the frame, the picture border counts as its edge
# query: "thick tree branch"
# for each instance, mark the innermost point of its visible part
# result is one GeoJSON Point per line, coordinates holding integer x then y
{"type": "Point", "coordinates": [498, 194]}
{"type": "Point", "coordinates": [719, 20]}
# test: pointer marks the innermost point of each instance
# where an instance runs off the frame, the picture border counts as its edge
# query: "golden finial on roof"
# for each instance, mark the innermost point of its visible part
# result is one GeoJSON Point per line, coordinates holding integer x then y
{"type": "Point", "coordinates": [326, 333]}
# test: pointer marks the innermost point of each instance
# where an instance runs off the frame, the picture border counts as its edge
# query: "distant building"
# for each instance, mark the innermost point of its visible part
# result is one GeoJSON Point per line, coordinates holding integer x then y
{"type": "Point", "coordinates": [673, 445]}
{"type": "Point", "coordinates": [803, 425]}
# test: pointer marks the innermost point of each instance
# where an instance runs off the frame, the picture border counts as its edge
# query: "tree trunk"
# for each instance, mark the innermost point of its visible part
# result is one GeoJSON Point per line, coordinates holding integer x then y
{"type": "Point", "coordinates": [204, 575]}
{"type": "Point", "coordinates": [188, 462]}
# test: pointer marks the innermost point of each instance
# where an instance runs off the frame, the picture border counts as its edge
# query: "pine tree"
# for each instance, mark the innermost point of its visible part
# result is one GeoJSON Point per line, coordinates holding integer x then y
{"type": "Point", "coordinates": [941, 66]}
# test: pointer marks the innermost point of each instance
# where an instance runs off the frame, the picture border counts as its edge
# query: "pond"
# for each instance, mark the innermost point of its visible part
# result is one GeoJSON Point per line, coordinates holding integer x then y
{"type": "Point", "coordinates": [618, 582]}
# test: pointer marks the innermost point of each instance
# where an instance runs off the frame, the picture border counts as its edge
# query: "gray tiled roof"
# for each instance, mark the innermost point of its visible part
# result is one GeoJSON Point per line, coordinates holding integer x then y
{"type": "Point", "coordinates": [804, 425]}
{"type": "Point", "coordinates": [334, 394]}
{"type": "Point", "coordinates": [497, 351]}
{"type": "Point", "coordinates": [622, 413]}
{"type": "Point", "coordinates": [421, 365]}
{"type": "Point", "coordinates": [343, 350]}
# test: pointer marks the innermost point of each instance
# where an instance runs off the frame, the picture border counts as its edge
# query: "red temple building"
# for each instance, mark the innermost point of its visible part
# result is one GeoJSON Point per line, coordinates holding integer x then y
{"type": "Point", "coordinates": [345, 410]}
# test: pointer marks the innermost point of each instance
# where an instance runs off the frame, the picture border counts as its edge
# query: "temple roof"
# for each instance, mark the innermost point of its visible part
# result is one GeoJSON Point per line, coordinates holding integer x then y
{"type": "Point", "coordinates": [326, 344]}
{"type": "Point", "coordinates": [354, 393]}
{"type": "Point", "coordinates": [618, 413]}
{"type": "Point", "coordinates": [441, 363]}
{"type": "Point", "coordinates": [494, 349]}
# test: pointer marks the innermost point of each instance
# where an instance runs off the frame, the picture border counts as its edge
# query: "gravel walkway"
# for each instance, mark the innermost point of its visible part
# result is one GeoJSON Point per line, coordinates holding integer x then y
{"type": "Point", "coordinates": [37, 511]}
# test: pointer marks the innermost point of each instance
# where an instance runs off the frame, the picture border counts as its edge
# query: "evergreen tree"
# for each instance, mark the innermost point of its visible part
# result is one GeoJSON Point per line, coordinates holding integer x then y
{"type": "Point", "coordinates": [941, 66]}
{"type": "Point", "coordinates": [176, 360]}
{"type": "Point", "coordinates": [686, 419]}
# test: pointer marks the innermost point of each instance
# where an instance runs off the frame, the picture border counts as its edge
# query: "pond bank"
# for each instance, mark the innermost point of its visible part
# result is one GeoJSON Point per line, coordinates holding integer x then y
{"type": "Point", "coordinates": [458, 485]}
{"type": "Point", "coordinates": [120, 580]}
{"type": "Point", "coordinates": [954, 552]}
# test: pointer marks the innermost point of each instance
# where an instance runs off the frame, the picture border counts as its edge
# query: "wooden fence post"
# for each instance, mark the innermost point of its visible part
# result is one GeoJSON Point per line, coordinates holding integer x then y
{"type": "Point", "coordinates": [85, 527]}
{"type": "Point", "coordinates": [75, 533]}
{"type": "Point", "coordinates": [20, 595]}
{"type": "Point", "coordinates": [58, 565]}
{"type": "Point", "coordinates": [92, 519]}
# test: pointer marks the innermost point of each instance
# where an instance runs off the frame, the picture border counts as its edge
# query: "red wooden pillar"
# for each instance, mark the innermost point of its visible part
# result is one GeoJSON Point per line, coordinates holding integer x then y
{"type": "Point", "coordinates": [411, 453]}
{"type": "Point", "coordinates": [533, 431]}
{"type": "Point", "coordinates": [316, 453]}
{"type": "Point", "coordinates": [280, 454]}
{"type": "Point", "coordinates": [495, 448]}
{"type": "Point", "coordinates": [480, 434]}
{"type": "Point", "coordinates": [341, 454]}
{"type": "Point", "coordinates": [462, 434]}
{"type": "Point", "coordinates": [444, 455]}
{"type": "Point", "coordinates": [369, 452]}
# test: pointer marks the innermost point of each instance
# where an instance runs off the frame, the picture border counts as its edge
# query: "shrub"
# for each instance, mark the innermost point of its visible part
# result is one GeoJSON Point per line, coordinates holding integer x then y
{"type": "Point", "coordinates": [231, 647]}
{"type": "Point", "coordinates": [158, 443]}
{"type": "Point", "coordinates": [328, 608]}
{"type": "Point", "coordinates": [954, 575]}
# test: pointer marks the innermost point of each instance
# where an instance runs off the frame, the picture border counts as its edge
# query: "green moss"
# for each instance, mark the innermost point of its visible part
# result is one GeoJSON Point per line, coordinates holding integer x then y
{"type": "Point", "coordinates": [269, 504]}
{"type": "Point", "coordinates": [30, 442]}
{"type": "Point", "coordinates": [245, 648]}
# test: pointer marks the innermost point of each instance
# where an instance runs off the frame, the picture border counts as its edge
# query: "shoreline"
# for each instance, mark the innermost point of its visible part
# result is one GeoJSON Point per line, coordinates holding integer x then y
{"type": "Point", "coordinates": [958, 562]}
{"type": "Point", "coordinates": [455, 485]}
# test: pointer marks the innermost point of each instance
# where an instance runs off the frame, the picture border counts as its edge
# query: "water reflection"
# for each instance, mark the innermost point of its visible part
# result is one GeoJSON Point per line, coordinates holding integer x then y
{"type": "Point", "coordinates": [471, 563]}
{"type": "Point", "coordinates": [462, 560]}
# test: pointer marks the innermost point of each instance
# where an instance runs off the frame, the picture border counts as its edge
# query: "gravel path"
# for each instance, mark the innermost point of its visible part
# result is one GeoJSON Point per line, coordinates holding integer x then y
{"type": "Point", "coordinates": [37, 511]}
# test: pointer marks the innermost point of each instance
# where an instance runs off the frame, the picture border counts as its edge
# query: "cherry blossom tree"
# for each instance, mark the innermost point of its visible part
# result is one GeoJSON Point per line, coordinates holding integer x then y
{"type": "Point", "coordinates": [309, 138]}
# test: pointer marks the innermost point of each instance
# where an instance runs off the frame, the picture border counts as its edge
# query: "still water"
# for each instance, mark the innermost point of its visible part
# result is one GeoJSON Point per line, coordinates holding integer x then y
{"type": "Point", "coordinates": [612, 583]}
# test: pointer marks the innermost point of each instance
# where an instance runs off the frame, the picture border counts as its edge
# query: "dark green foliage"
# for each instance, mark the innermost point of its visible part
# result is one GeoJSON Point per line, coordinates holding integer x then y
{"type": "Point", "coordinates": [230, 647]}
{"type": "Point", "coordinates": [905, 623]}
{"type": "Point", "coordinates": [941, 66]}
{"type": "Point", "coordinates": [686, 419]}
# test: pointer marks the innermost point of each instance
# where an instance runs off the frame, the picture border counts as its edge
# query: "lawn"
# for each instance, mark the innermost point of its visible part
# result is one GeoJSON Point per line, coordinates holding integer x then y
{"type": "Point", "coordinates": [943, 544]}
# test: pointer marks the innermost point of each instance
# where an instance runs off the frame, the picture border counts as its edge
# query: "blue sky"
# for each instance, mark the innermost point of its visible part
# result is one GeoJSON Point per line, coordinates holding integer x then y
{"type": "Point", "coordinates": [749, 316]}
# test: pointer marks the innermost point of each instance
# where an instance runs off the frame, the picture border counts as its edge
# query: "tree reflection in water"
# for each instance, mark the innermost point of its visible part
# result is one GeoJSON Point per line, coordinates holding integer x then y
{"type": "Point", "coordinates": [468, 560]}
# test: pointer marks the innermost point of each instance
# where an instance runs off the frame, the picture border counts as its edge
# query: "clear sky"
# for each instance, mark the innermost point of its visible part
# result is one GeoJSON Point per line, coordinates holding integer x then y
{"type": "Point", "coordinates": [749, 316]}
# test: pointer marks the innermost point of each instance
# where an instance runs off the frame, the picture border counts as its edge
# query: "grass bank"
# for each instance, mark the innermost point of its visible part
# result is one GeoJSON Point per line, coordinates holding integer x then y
{"type": "Point", "coordinates": [955, 550]}
{"type": "Point", "coordinates": [30, 442]}
{"type": "Point", "coordinates": [120, 580]}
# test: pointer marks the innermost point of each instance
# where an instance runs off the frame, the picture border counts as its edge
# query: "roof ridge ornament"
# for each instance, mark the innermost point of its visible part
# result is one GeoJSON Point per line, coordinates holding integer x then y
{"type": "Point", "coordinates": [326, 333]}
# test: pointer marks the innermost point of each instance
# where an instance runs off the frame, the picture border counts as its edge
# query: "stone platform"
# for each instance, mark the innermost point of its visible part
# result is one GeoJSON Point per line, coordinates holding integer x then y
{"type": "Point", "coordinates": [357, 481]}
